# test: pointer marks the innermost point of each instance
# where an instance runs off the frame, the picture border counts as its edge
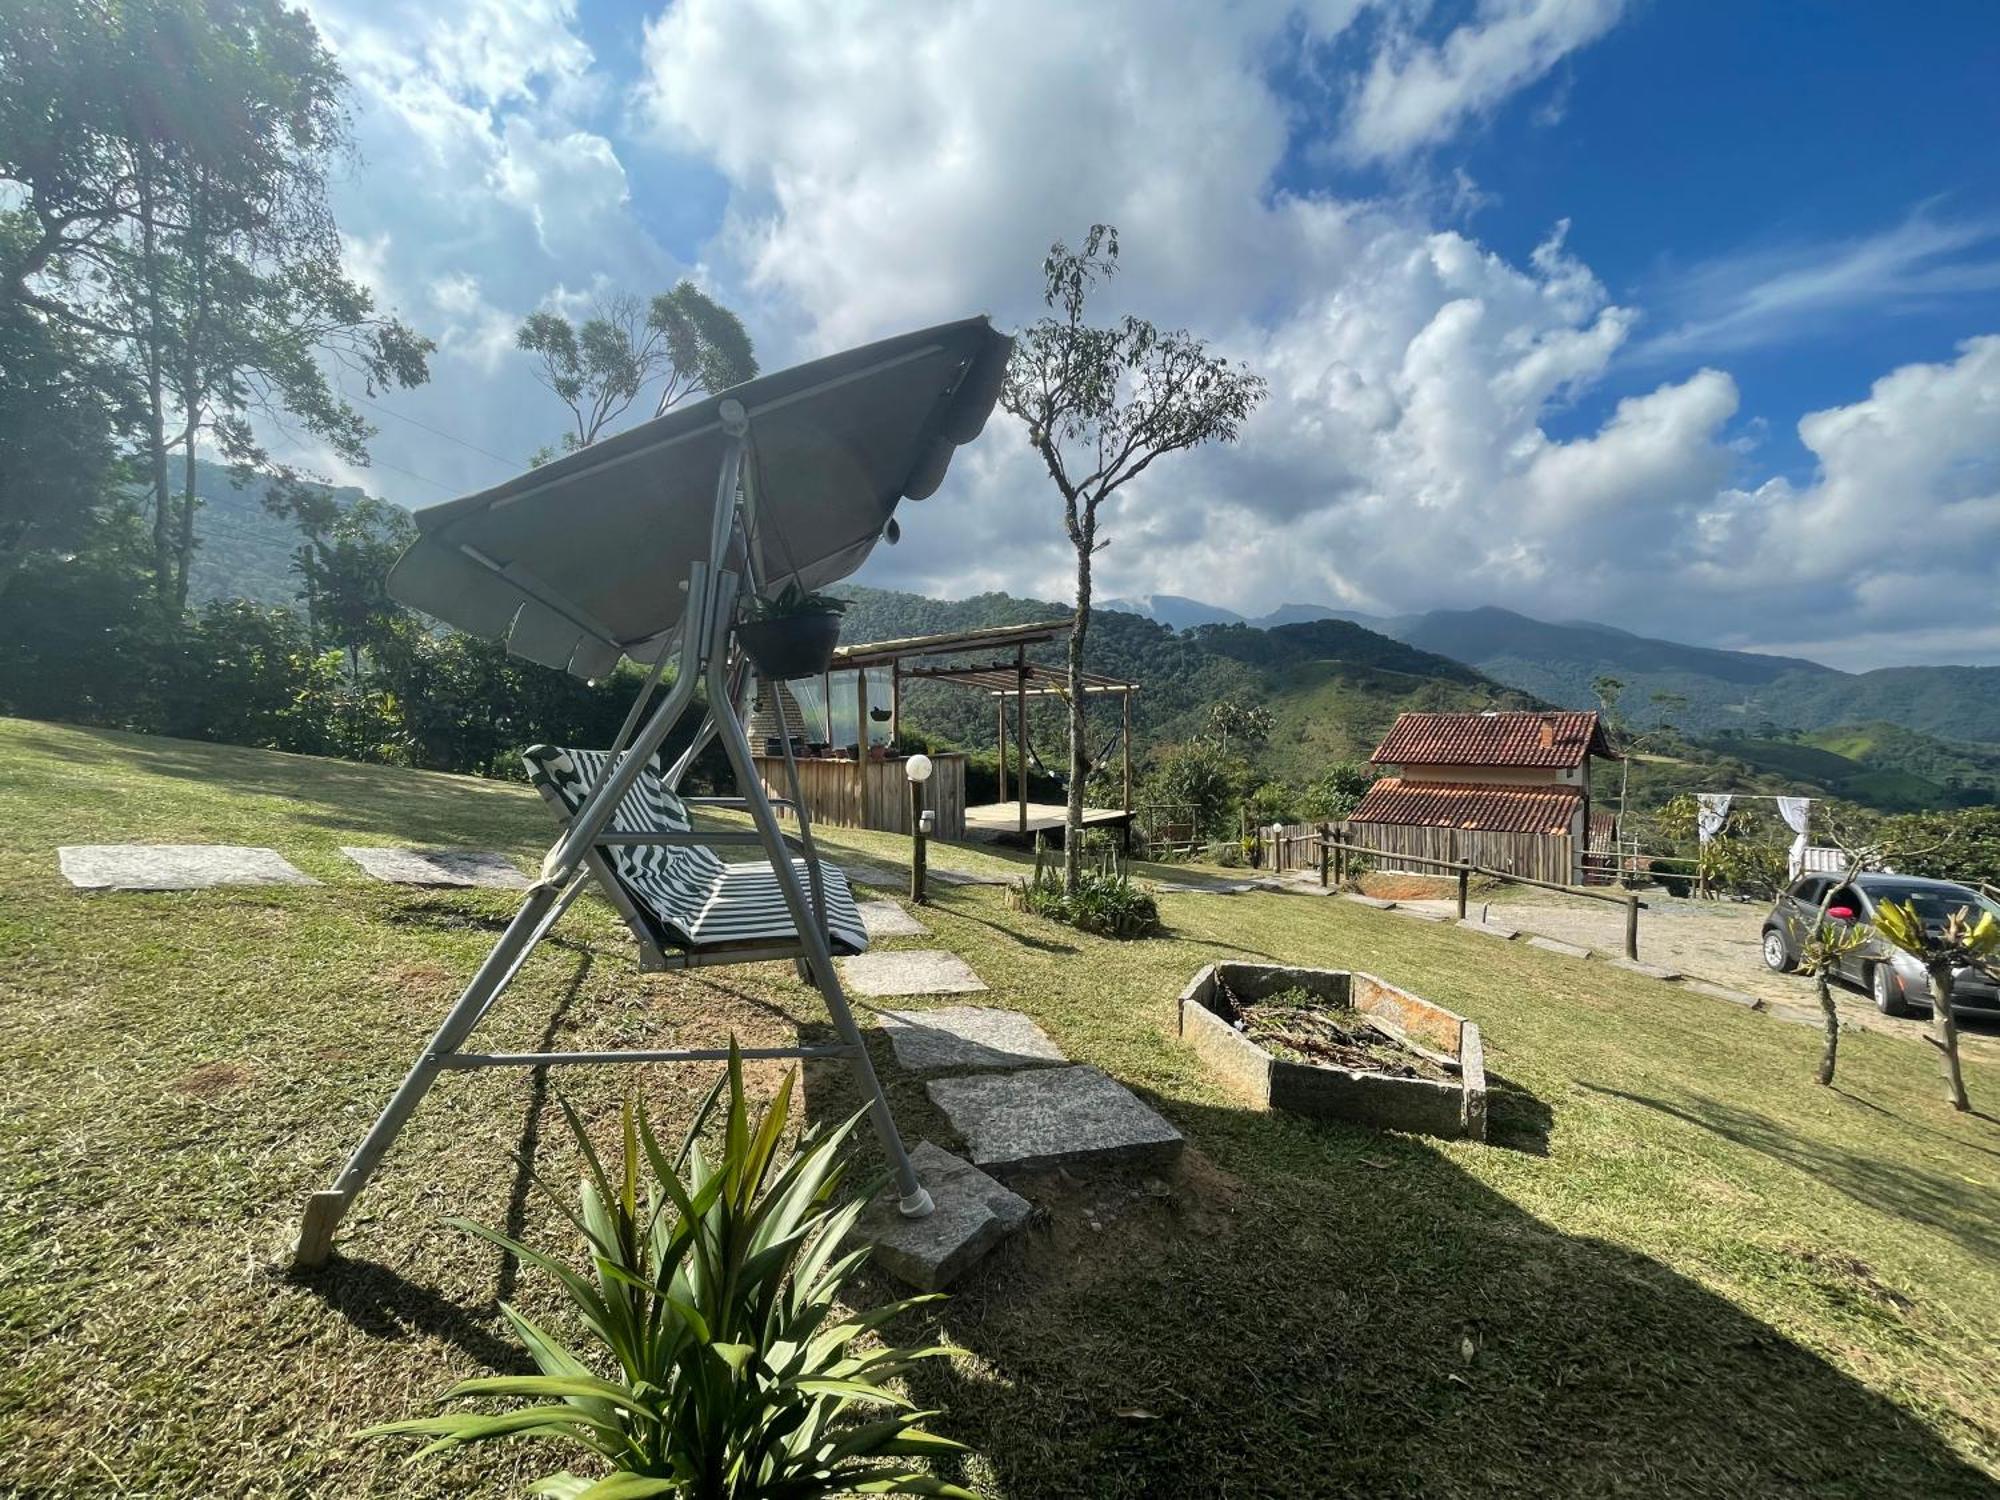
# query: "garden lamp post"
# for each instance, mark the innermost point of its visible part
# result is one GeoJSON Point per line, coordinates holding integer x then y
{"type": "Point", "coordinates": [918, 769]}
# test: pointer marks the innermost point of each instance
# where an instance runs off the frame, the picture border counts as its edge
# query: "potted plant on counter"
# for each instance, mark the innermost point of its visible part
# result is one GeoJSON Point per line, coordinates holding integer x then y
{"type": "Point", "coordinates": [791, 634]}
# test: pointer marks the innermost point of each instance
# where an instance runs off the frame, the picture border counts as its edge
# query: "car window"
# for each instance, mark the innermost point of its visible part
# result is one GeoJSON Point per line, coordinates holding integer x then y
{"type": "Point", "coordinates": [1933, 905]}
{"type": "Point", "coordinates": [1807, 892]}
{"type": "Point", "coordinates": [1848, 897]}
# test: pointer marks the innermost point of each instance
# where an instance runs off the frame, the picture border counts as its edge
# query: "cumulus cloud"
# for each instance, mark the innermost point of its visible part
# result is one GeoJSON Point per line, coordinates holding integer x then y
{"type": "Point", "coordinates": [1417, 94]}
{"type": "Point", "coordinates": [889, 167]}
{"type": "Point", "coordinates": [877, 166]}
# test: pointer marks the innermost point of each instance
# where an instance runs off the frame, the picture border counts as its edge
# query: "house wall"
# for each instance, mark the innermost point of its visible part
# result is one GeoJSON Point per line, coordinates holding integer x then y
{"type": "Point", "coordinates": [1488, 775]}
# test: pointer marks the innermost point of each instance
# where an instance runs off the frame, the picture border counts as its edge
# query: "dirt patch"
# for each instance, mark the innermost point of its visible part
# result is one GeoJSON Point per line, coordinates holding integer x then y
{"type": "Point", "coordinates": [1393, 887]}
{"type": "Point", "coordinates": [1302, 1027]}
{"type": "Point", "coordinates": [213, 1079]}
{"type": "Point", "coordinates": [1087, 1224]}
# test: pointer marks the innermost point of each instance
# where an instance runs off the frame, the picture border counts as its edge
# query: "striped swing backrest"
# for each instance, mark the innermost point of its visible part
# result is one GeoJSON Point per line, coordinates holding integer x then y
{"type": "Point", "coordinates": [672, 881]}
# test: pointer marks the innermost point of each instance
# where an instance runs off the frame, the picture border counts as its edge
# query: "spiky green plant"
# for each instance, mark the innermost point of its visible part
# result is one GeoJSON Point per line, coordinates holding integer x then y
{"type": "Point", "coordinates": [1825, 948]}
{"type": "Point", "coordinates": [714, 1293]}
{"type": "Point", "coordinates": [1964, 941]}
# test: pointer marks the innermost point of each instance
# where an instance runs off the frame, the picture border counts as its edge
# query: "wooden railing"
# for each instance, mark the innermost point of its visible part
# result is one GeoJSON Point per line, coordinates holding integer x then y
{"type": "Point", "coordinates": [1337, 847]}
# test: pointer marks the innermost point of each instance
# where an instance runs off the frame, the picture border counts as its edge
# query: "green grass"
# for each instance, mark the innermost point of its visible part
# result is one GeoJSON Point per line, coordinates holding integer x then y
{"type": "Point", "coordinates": [1680, 1269]}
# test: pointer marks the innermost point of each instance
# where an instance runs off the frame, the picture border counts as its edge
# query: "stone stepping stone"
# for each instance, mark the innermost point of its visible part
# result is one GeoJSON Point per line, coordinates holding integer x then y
{"type": "Point", "coordinates": [973, 1214]}
{"type": "Point", "coordinates": [473, 867]}
{"type": "Point", "coordinates": [1051, 1117]}
{"type": "Point", "coordinates": [910, 971]}
{"type": "Point", "coordinates": [885, 919]}
{"type": "Point", "coordinates": [175, 867]}
{"type": "Point", "coordinates": [859, 872]}
{"type": "Point", "coordinates": [1375, 901]}
{"type": "Point", "coordinates": [967, 1036]}
{"type": "Point", "coordinates": [967, 877]}
{"type": "Point", "coordinates": [1488, 929]}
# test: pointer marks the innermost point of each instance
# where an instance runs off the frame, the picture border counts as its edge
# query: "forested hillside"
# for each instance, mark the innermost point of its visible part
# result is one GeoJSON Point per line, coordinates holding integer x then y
{"type": "Point", "coordinates": [1331, 687]}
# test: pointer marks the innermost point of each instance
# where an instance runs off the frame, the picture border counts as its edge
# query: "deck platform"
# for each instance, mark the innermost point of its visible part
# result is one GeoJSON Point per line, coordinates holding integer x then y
{"type": "Point", "coordinates": [993, 821]}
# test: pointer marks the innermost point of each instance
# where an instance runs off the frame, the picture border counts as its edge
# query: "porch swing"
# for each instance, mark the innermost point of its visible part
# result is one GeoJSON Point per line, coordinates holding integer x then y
{"type": "Point", "coordinates": [640, 546]}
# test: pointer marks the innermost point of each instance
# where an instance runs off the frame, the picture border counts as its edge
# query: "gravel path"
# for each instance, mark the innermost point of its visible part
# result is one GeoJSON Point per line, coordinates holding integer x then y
{"type": "Point", "coordinates": [1716, 940]}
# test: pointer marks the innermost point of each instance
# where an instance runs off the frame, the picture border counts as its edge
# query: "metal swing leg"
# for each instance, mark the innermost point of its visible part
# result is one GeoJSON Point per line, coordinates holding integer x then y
{"type": "Point", "coordinates": [544, 904]}
{"type": "Point", "coordinates": [914, 1199]}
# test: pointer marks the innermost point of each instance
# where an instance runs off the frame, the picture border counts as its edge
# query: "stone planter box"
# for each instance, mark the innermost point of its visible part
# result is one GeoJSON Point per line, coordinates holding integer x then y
{"type": "Point", "coordinates": [1451, 1109]}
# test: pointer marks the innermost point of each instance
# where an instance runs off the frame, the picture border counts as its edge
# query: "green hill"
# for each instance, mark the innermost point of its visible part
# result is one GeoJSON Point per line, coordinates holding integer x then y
{"type": "Point", "coordinates": [243, 551]}
{"type": "Point", "coordinates": [1333, 687]}
{"type": "Point", "coordinates": [1879, 765]}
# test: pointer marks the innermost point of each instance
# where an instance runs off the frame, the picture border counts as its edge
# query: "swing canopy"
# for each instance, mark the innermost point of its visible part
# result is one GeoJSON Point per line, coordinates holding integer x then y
{"type": "Point", "coordinates": [585, 559]}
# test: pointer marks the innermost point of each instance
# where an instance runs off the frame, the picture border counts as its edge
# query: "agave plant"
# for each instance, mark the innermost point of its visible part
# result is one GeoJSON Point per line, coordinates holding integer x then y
{"type": "Point", "coordinates": [1963, 942]}
{"type": "Point", "coordinates": [1828, 944]}
{"type": "Point", "coordinates": [714, 1292]}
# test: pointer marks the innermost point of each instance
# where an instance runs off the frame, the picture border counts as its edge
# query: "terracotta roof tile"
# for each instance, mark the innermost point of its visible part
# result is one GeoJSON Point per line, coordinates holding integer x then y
{"type": "Point", "coordinates": [1492, 739]}
{"type": "Point", "coordinates": [1445, 804]}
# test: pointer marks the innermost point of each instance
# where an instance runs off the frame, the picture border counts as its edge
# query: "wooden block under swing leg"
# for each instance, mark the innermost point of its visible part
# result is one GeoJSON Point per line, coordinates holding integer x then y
{"type": "Point", "coordinates": [323, 1214]}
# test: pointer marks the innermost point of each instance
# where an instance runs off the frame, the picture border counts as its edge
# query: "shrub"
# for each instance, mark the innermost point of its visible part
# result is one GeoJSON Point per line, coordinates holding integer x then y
{"type": "Point", "coordinates": [1106, 905]}
{"type": "Point", "coordinates": [715, 1292]}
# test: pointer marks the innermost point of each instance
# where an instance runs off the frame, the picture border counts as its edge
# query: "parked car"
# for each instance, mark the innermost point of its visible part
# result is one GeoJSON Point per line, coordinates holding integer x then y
{"type": "Point", "coordinates": [1892, 977]}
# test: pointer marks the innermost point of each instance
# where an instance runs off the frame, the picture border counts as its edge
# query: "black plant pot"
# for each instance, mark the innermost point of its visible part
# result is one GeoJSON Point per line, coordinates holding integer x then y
{"type": "Point", "coordinates": [790, 646]}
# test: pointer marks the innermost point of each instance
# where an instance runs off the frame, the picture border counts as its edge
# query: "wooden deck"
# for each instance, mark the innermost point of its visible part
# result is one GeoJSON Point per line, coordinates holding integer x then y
{"type": "Point", "coordinates": [1001, 820]}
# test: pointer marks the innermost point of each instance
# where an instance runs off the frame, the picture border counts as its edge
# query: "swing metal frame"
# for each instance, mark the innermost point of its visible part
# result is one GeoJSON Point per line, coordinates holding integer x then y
{"type": "Point", "coordinates": [708, 658]}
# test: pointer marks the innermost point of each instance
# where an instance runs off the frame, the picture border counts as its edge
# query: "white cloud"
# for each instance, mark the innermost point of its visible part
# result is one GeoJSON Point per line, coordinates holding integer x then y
{"type": "Point", "coordinates": [1416, 94]}
{"type": "Point", "coordinates": [1900, 520]}
{"type": "Point", "coordinates": [1766, 295]}
{"type": "Point", "coordinates": [890, 167]}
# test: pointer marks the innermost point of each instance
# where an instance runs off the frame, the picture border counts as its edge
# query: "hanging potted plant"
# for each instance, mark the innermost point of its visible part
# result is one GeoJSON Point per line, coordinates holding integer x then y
{"type": "Point", "coordinates": [792, 633]}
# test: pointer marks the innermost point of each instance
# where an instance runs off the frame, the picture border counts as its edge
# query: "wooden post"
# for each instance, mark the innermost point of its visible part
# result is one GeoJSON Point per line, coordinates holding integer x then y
{"type": "Point", "coordinates": [895, 701]}
{"type": "Point", "coordinates": [861, 745]}
{"type": "Point", "coordinates": [1126, 739]}
{"type": "Point", "coordinates": [1340, 856]}
{"type": "Point", "coordinates": [1325, 856]}
{"type": "Point", "coordinates": [1021, 727]}
{"type": "Point", "coordinates": [1632, 925]}
{"type": "Point", "coordinates": [1464, 886]}
{"type": "Point", "coordinates": [919, 850]}
{"type": "Point", "coordinates": [1000, 713]}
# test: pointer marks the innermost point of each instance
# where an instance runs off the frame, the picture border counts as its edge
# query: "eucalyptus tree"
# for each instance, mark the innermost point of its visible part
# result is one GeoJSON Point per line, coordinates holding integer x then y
{"type": "Point", "coordinates": [684, 339]}
{"type": "Point", "coordinates": [1101, 404]}
{"type": "Point", "coordinates": [167, 166]}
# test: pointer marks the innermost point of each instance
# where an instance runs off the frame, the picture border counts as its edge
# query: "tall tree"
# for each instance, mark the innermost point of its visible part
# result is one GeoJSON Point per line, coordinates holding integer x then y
{"type": "Point", "coordinates": [169, 160]}
{"type": "Point", "coordinates": [1101, 404]}
{"type": "Point", "coordinates": [684, 338]}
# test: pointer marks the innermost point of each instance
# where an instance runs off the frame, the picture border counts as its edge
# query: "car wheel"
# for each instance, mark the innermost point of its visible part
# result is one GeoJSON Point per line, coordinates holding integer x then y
{"type": "Point", "coordinates": [1777, 955]}
{"type": "Point", "coordinates": [1887, 990]}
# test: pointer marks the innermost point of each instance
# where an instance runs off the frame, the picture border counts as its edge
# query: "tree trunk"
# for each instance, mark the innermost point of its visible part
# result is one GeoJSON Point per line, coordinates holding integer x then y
{"type": "Point", "coordinates": [1079, 750]}
{"type": "Point", "coordinates": [1944, 1033]}
{"type": "Point", "coordinates": [156, 394]}
{"type": "Point", "coordinates": [1826, 1009]}
{"type": "Point", "coordinates": [184, 539]}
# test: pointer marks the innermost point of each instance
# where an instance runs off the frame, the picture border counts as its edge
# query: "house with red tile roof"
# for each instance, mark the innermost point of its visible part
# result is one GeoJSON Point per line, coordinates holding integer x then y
{"type": "Point", "coordinates": [1469, 775]}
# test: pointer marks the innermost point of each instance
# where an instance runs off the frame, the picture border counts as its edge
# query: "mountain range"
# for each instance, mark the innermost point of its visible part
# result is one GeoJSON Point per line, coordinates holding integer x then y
{"type": "Point", "coordinates": [1703, 690]}
{"type": "Point", "coordinates": [1335, 679]}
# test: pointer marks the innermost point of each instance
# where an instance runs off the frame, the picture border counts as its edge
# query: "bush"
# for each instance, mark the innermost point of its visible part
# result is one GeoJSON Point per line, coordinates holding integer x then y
{"type": "Point", "coordinates": [1104, 905]}
{"type": "Point", "coordinates": [717, 1286]}
{"type": "Point", "coordinates": [1337, 791]}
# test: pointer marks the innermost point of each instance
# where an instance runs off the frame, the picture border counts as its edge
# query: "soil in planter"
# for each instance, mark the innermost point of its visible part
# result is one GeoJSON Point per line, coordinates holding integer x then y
{"type": "Point", "coordinates": [1301, 1027]}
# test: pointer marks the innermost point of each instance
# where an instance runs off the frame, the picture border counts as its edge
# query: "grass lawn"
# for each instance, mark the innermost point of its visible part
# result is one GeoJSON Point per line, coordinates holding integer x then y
{"type": "Point", "coordinates": [1681, 1269]}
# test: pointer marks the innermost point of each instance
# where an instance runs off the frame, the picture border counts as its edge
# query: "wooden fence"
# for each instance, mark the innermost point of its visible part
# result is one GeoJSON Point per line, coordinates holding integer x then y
{"type": "Point", "coordinates": [1537, 856]}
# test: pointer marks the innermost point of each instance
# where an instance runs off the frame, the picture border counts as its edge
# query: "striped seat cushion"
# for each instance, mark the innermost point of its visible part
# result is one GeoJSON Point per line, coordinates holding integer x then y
{"type": "Point", "coordinates": [695, 899]}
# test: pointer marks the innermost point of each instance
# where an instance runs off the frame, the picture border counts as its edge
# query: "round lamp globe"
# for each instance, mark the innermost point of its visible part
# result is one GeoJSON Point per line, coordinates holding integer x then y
{"type": "Point", "coordinates": [918, 768]}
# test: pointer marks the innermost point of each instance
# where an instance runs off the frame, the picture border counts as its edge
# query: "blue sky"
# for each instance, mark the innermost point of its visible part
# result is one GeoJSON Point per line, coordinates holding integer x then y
{"type": "Point", "coordinates": [1667, 314]}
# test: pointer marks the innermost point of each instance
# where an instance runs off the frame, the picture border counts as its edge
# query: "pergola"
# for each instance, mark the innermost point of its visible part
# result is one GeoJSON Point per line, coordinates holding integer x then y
{"type": "Point", "coordinates": [1009, 676]}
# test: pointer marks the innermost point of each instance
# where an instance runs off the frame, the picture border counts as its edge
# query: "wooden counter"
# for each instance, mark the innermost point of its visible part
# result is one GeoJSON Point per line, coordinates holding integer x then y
{"type": "Point", "coordinates": [878, 797]}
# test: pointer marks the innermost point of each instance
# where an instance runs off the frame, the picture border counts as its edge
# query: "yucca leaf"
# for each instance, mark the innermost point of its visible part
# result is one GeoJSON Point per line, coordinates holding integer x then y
{"type": "Point", "coordinates": [565, 1386]}
{"type": "Point", "coordinates": [472, 1427]}
{"type": "Point", "coordinates": [850, 1390]}
{"type": "Point", "coordinates": [631, 1487]}
{"type": "Point", "coordinates": [736, 1356]}
{"type": "Point", "coordinates": [889, 1436]}
{"type": "Point", "coordinates": [559, 1486]}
